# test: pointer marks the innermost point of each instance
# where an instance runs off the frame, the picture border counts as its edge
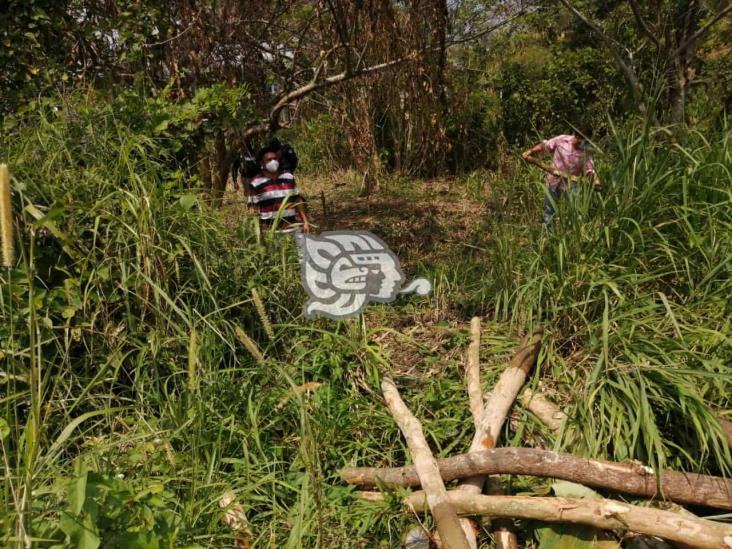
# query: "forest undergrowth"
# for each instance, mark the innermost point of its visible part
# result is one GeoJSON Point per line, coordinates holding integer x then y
{"type": "Point", "coordinates": [154, 355]}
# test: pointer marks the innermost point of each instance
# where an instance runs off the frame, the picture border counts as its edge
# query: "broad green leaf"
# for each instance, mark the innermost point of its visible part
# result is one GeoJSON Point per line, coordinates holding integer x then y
{"type": "Point", "coordinates": [4, 429]}
{"type": "Point", "coordinates": [566, 489]}
{"type": "Point", "coordinates": [82, 533]}
{"type": "Point", "coordinates": [77, 491]}
{"type": "Point", "coordinates": [574, 536]}
{"type": "Point", "coordinates": [188, 201]}
{"type": "Point", "coordinates": [162, 126]}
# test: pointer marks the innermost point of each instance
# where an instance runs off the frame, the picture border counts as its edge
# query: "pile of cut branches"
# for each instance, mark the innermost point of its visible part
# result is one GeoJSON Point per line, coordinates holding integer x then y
{"type": "Point", "coordinates": [476, 472]}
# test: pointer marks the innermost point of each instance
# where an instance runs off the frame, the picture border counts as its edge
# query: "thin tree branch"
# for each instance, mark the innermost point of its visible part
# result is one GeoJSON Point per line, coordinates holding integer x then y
{"type": "Point", "coordinates": [272, 122]}
{"type": "Point", "coordinates": [472, 372]}
{"type": "Point", "coordinates": [484, 32]}
{"type": "Point", "coordinates": [613, 46]}
{"type": "Point", "coordinates": [642, 22]}
{"type": "Point", "coordinates": [703, 30]}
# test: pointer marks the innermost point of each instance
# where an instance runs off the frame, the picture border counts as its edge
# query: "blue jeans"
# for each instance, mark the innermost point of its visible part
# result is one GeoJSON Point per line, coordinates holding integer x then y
{"type": "Point", "coordinates": [552, 197]}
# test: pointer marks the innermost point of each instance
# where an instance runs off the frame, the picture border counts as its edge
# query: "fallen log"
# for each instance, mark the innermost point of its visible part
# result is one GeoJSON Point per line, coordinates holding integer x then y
{"type": "Point", "coordinates": [545, 410]}
{"type": "Point", "coordinates": [498, 404]}
{"type": "Point", "coordinates": [504, 394]}
{"type": "Point", "coordinates": [475, 398]}
{"type": "Point", "coordinates": [626, 478]}
{"type": "Point", "coordinates": [472, 372]}
{"type": "Point", "coordinates": [488, 428]}
{"type": "Point", "coordinates": [448, 525]}
{"type": "Point", "coordinates": [604, 514]}
{"type": "Point", "coordinates": [727, 426]}
{"type": "Point", "coordinates": [503, 529]}
{"type": "Point", "coordinates": [504, 536]}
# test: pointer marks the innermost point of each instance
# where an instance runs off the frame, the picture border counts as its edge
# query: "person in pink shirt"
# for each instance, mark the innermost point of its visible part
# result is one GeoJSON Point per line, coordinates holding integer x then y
{"type": "Point", "coordinates": [571, 159]}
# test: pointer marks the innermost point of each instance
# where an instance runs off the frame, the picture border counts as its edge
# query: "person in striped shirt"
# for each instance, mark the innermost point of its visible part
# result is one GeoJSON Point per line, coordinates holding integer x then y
{"type": "Point", "coordinates": [275, 197]}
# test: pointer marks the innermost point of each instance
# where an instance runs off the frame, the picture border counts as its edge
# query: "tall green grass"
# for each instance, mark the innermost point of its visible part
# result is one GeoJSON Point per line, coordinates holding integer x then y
{"type": "Point", "coordinates": [633, 285]}
{"type": "Point", "coordinates": [154, 358]}
{"type": "Point", "coordinates": [120, 355]}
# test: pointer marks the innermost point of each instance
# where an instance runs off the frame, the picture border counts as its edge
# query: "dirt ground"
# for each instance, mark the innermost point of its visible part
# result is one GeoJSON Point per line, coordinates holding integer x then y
{"type": "Point", "coordinates": [419, 220]}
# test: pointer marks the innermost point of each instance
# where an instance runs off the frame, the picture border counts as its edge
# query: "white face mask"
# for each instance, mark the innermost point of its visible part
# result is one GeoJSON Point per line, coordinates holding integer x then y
{"type": "Point", "coordinates": [272, 166]}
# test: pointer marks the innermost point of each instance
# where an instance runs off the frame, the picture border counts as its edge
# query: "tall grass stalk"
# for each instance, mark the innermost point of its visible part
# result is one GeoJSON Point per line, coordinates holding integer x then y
{"type": "Point", "coordinates": [7, 240]}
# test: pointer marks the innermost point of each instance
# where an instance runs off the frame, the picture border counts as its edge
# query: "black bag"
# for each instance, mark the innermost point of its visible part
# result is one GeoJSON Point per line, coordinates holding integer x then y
{"type": "Point", "coordinates": [245, 166]}
{"type": "Point", "coordinates": [288, 158]}
{"type": "Point", "coordinates": [250, 168]}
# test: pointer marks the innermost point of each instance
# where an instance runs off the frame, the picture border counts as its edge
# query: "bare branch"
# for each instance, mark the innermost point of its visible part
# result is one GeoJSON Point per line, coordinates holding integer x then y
{"type": "Point", "coordinates": [603, 513]}
{"type": "Point", "coordinates": [448, 526]}
{"type": "Point", "coordinates": [547, 412]}
{"type": "Point", "coordinates": [272, 123]}
{"type": "Point", "coordinates": [642, 22]}
{"type": "Point", "coordinates": [614, 49]}
{"type": "Point", "coordinates": [472, 372]}
{"type": "Point", "coordinates": [703, 30]}
{"type": "Point", "coordinates": [484, 32]}
{"type": "Point", "coordinates": [624, 478]}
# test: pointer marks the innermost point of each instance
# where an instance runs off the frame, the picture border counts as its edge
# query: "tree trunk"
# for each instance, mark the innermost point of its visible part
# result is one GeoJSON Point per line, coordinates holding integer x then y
{"type": "Point", "coordinates": [684, 50]}
{"type": "Point", "coordinates": [204, 168]}
{"type": "Point", "coordinates": [219, 169]}
{"type": "Point", "coordinates": [625, 478]}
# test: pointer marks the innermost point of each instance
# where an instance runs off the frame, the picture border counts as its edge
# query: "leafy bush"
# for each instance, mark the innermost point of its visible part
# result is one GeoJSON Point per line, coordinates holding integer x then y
{"type": "Point", "coordinates": [122, 271]}
{"type": "Point", "coordinates": [320, 145]}
{"type": "Point", "coordinates": [105, 511]}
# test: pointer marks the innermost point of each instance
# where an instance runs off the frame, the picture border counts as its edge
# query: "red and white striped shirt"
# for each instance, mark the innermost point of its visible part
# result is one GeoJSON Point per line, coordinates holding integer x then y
{"type": "Point", "coordinates": [275, 198]}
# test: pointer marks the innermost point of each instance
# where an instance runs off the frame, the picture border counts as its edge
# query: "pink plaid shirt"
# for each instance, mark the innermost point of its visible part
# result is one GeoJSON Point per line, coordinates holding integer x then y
{"type": "Point", "coordinates": [567, 159]}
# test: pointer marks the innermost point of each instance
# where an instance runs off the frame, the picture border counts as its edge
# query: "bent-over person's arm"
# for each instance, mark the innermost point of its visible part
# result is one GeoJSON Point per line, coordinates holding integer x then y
{"type": "Point", "coordinates": [533, 151]}
{"type": "Point", "coordinates": [301, 207]}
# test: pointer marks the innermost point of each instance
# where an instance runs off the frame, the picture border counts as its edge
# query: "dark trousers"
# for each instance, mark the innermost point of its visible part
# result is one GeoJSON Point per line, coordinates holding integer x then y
{"type": "Point", "coordinates": [552, 199]}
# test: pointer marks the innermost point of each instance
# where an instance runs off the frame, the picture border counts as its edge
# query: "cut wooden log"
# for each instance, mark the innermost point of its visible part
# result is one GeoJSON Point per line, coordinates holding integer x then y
{"type": "Point", "coordinates": [626, 478]}
{"type": "Point", "coordinates": [498, 404]}
{"type": "Point", "coordinates": [546, 411]}
{"type": "Point", "coordinates": [425, 464]}
{"type": "Point", "coordinates": [605, 514]}
{"type": "Point", "coordinates": [503, 529]}
{"type": "Point", "coordinates": [475, 398]}
{"type": "Point", "coordinates": [504, 394]}
{"type": "Point", "coordinates": [727, 426]}
{"type": "Point", "coordinates": [504, 536]}
{"type": "Point", "coordinates": [472, 372]}
{"type": "Point", "coordinates": [470, 528]}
